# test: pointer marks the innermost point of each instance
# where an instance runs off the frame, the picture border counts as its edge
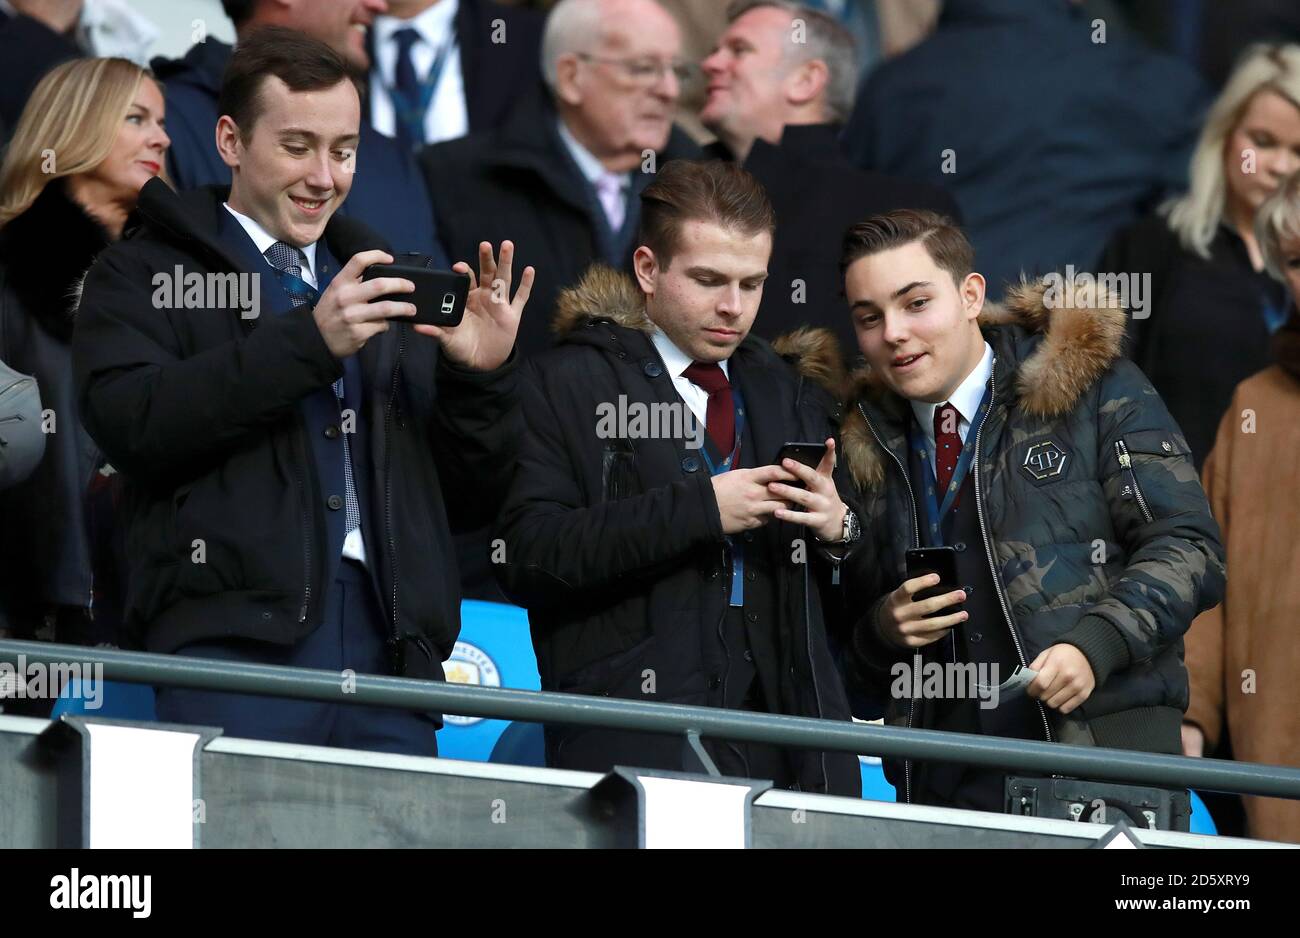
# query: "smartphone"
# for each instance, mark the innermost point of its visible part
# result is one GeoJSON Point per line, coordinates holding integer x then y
{"type": "Point", "coordinates": [941, 560]}
{"type": "Point", "coordinates": [439, 295]}
{"type": "Point", "coordinates": [809, 454]}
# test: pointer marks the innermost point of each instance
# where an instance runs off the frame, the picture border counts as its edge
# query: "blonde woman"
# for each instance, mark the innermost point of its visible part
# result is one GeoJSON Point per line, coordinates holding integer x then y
{"type": "Point", "coordinates": [90, 136]}
{"type": "Point", "coordinates": [1201, 322]}
{"type": "Point", "coordinates": [1242, 655]}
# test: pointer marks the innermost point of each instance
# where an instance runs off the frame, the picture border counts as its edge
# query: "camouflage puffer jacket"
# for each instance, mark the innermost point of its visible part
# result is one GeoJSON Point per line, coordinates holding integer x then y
{"type": "Point", "coordinates": [1107, 545]}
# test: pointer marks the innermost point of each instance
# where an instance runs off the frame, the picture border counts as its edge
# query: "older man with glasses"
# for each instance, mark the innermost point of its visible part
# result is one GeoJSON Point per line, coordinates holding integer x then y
{"type": "Point", "coordinates": [563, 175]}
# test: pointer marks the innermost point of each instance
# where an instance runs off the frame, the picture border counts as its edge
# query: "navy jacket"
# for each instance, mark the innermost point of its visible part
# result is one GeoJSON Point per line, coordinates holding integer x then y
{"type": "Point", "coordinates": [1057, 140]}
{"type": "Point", "coordinates": [387, 191]}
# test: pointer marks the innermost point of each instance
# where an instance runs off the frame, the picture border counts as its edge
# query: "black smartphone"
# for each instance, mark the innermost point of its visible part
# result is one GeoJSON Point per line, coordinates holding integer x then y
{"type": "Point", "coordinates": [809, 454]}
{"type": "Point", "coordinates": [439, 295]}
{"type": "Point", "coordinates": [941, 560]}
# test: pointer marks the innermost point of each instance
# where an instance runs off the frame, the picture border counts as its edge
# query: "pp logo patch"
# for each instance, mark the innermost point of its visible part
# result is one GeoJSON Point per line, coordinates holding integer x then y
{"type": "Point", "coordinates": [1045, 461]}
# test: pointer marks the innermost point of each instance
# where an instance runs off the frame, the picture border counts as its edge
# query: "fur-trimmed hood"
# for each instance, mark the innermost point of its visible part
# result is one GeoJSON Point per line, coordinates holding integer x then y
{"type": "Point", "coordinates": [605, 294]}
{"type": "Point", "coordinates": [1047, 357]}
{"type": "Point", "coordinates": [47, 251]}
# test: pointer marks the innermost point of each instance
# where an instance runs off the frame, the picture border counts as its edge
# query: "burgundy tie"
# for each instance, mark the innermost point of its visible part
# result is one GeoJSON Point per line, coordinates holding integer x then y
{"type": "Point", "coordinates": [947, 447]}
{"type": "Point", "coordinates": [720, 418]}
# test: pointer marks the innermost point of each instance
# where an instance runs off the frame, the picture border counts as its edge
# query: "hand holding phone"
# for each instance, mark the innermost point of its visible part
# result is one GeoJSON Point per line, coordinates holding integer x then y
{"type": "Point", "coordinates": [927, 605]}
{"type": "Point", "coordinates": [439, 295]}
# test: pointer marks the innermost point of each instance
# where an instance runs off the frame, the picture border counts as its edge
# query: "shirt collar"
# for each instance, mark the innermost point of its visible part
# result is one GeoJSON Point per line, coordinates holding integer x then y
{"type": "Point", "coordinates": [434, 24]}
{"type": "Point", "coordinates": [588, 164]}
{"type": "Point", "coordinates": [966, 398]}
{"type": "Point", "coordinates": [263, 239]}
{"type": "Point", "coordinates": [674, 359]}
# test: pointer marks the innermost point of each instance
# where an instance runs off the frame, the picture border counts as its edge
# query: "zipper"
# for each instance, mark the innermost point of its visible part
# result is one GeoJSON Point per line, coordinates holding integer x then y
{"type": "Point", "coordinates": [388, 488]}
{"type": "Point", "coordinates": [1126, 462]}
{"type": "Point", "coordinates": [916, 542]}
{"type": "Point", "coordinates": [988, 548]}
{"type": "Point", "coordinates": [812, 669]}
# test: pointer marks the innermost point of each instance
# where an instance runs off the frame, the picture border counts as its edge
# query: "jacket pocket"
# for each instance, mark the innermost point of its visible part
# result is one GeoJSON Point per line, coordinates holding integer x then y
{"type": "Point", "coordinates": [1140, 455]}
{"type": "Point", "coordinates": [617, 675]}
{"type": "Point", "coordinates": [618, 470]}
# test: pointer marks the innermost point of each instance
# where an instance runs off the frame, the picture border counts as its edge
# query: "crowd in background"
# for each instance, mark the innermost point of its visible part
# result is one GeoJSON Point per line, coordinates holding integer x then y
{"type": "Point", "coordinates": [1160, 141]}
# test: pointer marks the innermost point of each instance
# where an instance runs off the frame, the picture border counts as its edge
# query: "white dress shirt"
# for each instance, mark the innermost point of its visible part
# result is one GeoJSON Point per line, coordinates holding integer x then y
{"type": "Point", "coordinates": [966, 399]}
{"type": "Point", "coordinates": [448, 114]}
{"type": "Point", "coordinates": [264, 239]}
{"type": "Point", "coordinates": [354, 546]}
{"type": "Point", "coordinates": [676, 361]}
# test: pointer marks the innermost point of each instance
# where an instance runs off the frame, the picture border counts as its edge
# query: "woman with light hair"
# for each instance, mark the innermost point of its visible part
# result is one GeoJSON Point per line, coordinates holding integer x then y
{"type": "Point", "coordinates": [90, 136]}
{"type": "Point", "coordinates": [1242, 655]}
{"type": "Point", "coordinates": [1202, 319]}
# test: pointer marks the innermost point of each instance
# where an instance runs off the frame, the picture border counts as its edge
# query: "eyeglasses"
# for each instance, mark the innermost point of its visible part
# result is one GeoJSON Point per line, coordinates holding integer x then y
{"type": "Point", "coordinates": [645, 72]}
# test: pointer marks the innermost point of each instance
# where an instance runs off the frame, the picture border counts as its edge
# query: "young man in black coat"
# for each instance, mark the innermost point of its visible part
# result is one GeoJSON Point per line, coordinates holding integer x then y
{"type": "Point", "coordinates": [291, 482]}
{"type": "Point", "coordinates": [661, 552]}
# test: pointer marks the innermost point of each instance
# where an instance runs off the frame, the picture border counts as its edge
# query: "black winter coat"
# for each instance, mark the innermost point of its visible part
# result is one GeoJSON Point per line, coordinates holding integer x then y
{"type": "Point", "coordinates": [615, 545]}
{"type": "Point", "coordinates": [46, 549]}
{"type": "Point", "coordinates": [199, 409]}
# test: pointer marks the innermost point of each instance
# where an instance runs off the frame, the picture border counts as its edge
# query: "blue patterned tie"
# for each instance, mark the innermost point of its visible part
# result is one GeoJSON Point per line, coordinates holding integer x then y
{"type": "Point", "coordinates": [406, 87]}
{"type": "Point", "coordinates": [288, 258]}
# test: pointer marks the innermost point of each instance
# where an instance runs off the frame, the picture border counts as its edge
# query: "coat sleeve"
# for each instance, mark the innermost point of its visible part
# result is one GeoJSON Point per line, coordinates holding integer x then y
{"type": "Point", "coordinates": [1174, 559]}
{"type": "Point", "coordinates": [565, 542]}
{"type": "Point", "coordinates": [1205, 639]}
{"type": "Point", "coordinates": [157, 414]}
{"type": "Point", "coordinates": [476, 427]}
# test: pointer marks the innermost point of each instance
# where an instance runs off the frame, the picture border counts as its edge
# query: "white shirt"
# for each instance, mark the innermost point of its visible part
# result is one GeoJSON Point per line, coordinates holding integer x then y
{"type": "Point", "coordinates": [448, 114]}
{"type": "Point", "coordinates": [264, 239]}
{"type": "Point", "coordinates": [676, 361]}
{"type": "Point", "coordinates": [353, 544]}
{"type": "Point", "coordinates": [966, 399]}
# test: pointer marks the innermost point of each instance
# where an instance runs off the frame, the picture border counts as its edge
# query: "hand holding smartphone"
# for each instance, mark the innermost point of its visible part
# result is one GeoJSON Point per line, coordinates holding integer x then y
{"type": "Point", "coordinates": [439, 295]}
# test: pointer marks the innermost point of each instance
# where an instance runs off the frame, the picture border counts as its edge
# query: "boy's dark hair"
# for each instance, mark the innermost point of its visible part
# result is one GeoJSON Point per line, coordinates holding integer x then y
{"type": "Point", "coordinates": [301, 62]}
{"type": "Point", "coordinates": [946, 243]}
{"type": "Point", "coordinates": [712, 191]}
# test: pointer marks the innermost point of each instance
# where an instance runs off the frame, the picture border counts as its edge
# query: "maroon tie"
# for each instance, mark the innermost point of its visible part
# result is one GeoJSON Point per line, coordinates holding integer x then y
{"type": "Point", "coordinates": [720, 418]}
{"type": "Point", "coordinates": [947, 447]}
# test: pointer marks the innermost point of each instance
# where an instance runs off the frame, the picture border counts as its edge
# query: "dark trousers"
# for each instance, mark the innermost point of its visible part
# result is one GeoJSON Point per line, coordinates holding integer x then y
{"type": "Point", "coordinates": [351, 636]}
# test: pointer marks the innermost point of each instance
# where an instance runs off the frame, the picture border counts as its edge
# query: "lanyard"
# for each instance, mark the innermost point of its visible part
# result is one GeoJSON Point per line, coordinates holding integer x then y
{"type": "Point", "coordinates": [411, 114]}
{"type": "Point", "coordinates": [934, 511]}
{"type": "Point", "coordinates": [296, 286]}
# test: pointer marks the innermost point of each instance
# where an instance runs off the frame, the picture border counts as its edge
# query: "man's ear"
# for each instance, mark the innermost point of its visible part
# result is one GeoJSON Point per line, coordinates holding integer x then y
{"type": "Point", "coordinates": [229, 143]}
{"type": "Point", "coordinates": [807, 83]}
{"type": "Point", "coordinates": [566, 80]}
{"type": "Point", "coordinates": [972, 294]}
{"type": "Point", "coordinates": [646, 267]}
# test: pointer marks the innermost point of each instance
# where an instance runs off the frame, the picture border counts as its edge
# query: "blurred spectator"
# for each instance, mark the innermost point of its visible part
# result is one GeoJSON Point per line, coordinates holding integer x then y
{"type": "Point", "coordinates": [90, 137]}
{"type": "Point", "coordinates": [36, 35]}
{"type": "Point", "coordinates": [387, 193]}
{"type": "Point", "coordinates": [1036, 126]}
{"type": "Point", "coordinates": [442, 68]}
{"type": "Point", "coordinates": [1242, 655]}
{"type": "Point", "coordinates": [778, 107]}
{"type": "Point", "coordinates": [1210, 306]}
{"type": "Point", "coordinates": [562, 178]}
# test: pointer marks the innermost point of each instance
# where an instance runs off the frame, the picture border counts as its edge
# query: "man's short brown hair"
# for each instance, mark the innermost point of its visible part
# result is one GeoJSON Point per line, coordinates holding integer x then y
{"type": "Point", "coordinates": [713, 191]}
{"type": "Point", "coordinates": [298, 60]}
{"type": "Point", "coordinates": [946, 243]}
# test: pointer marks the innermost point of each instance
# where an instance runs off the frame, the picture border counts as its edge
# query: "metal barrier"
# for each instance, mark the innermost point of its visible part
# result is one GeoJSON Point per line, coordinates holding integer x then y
{"type": "Point", "coordinates": [690, 723]}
